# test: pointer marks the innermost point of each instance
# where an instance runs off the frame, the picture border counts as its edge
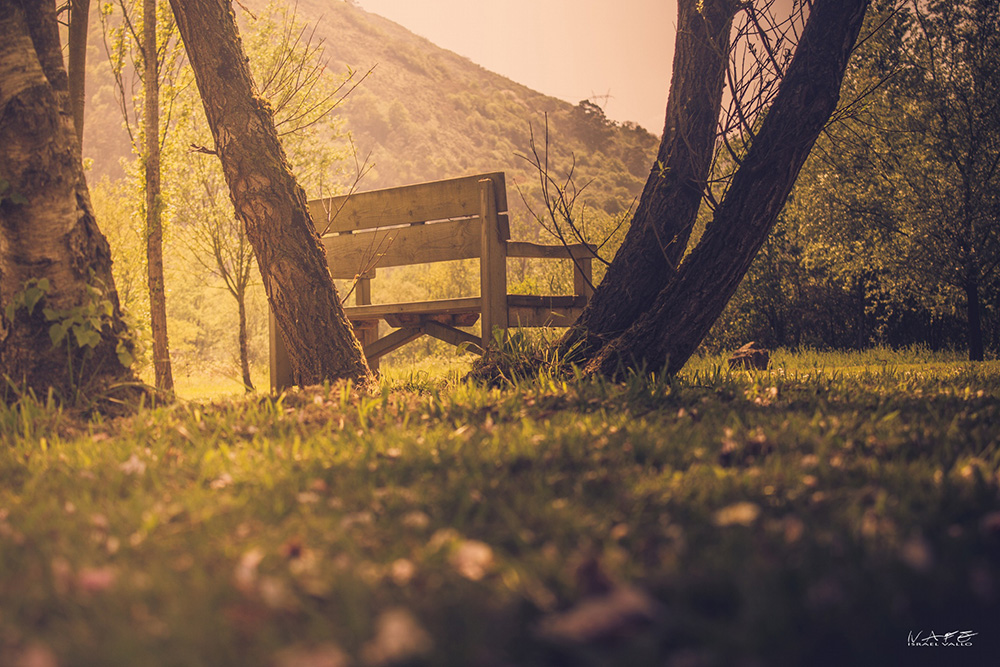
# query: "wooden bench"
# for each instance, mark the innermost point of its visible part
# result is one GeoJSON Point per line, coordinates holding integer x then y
{"type": "Point", "coordinates": [447, 220]}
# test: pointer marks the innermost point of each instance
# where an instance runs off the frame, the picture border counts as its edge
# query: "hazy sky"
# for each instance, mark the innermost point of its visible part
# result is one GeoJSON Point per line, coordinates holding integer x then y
{"type": "Point", "coordinates": [571, 49]}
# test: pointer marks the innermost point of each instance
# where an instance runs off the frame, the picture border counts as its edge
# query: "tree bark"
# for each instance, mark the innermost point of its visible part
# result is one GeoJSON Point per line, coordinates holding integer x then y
{"type": "Point", "coordinates": [79, 23]}
{"type": "Point", "coordinates": [668, 333]}
{"type": "Point", "coordinates": [268, 200]}
{"type": "Point", "coordinates": [164, 378]}
{"type": "Point", "coordinates": [975, 319]}
{"type": "Point", "coordinates": [47, 226]}
{"type": "Point", "coordinates": [661, 226]}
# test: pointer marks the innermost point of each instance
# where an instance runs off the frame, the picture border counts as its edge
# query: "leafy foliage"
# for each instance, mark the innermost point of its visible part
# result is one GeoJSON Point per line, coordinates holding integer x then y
{"type": "Point", "coordinates": [891, 235]}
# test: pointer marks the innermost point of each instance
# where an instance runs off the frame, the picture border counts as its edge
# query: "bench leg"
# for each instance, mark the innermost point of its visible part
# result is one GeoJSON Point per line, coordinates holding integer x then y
{"type": "Point", "coordinates": [492, 265]}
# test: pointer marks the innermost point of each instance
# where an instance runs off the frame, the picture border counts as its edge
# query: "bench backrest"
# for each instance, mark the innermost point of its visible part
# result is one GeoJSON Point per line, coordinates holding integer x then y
{"type": "Point", "coordinates": [416, 224]}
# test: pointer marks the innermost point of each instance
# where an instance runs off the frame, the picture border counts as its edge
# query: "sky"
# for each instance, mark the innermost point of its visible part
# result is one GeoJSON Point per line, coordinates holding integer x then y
{"type": "Point", "coordinates": [570, 49]}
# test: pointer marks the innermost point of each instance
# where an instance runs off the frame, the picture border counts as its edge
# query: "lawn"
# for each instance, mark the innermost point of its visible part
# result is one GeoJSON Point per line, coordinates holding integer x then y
{"type": "Point", "coordinates": [819, 513]}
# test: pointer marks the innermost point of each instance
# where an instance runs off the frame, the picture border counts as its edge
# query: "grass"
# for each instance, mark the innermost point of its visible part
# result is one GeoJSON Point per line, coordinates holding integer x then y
{"type": "Point", "coordinates": [813, 514]}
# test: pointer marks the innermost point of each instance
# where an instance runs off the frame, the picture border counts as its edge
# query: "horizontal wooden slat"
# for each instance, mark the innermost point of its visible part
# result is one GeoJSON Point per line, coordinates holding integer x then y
{"type": "Point", "coordinates": [523, 316]}
{"type": "Point", "coordinates": [417, 319]}
{"type": "Point", "coordinates": [423, 202]}
{"type": "Point", "coordinates": [470, 304]}
{"type": "Point", "coordinates": [441, 241]}
{"type": "Point", "coordinates": [553, 302]}
{"type": "Point", "coordinates": [537, 250]}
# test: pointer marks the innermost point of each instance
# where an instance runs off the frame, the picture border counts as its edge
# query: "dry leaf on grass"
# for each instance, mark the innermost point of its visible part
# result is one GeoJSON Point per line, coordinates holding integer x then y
{"type": "Point", "coordinates": [324, 655]}
{"type": "Point", "coordinates": [616, 613]}
{"type": "Point", "coordinates": [472, 559]}
{"type": "Point", "coordinates": [398, 638]}
{"type": "Point", "coordinates": [738, 514]}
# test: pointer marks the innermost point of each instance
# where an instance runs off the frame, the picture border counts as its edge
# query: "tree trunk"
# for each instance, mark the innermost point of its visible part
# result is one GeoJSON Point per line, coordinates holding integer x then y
{"type": "Point", "coordinates": [668, 333]}
{"type": "Point", "coordinates": [79, 22]}
{"type": "Point", "coordinates": [975, 319]}
{"type": "Point", "coordinates": [268, 200]}
{"type": "Point", "coordinates": [47, 228]}
{"type": "Point", "coordinates": [154, 225]}
{"type": "Point", "coordinates": [241, 299]}
{"type": "Point", "coordinates": [667, 210]}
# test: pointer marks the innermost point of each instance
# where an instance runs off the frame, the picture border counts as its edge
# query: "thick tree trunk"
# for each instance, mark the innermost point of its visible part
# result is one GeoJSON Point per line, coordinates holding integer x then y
{"type": "Point", "coordinates": [683, 312]}
{"type": "Point", "coordinates": [270, 203]}
{"type": "Point", "coordinates": [667, 210]}
{"type": "Point", "coordinates": [47, 227]}
{"type": "Point", "coordinates": [164, 378]}
{"type": "Point", "coordinates": [241, 299]}
{"type": "Point", "coordinates": [79, 23]}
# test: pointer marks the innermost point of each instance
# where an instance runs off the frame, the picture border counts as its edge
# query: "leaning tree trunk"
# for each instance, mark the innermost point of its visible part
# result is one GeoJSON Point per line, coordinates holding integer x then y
{"type": "Point", "coordinates": [164, 377]}
{"type": "Point", "coordinates": [272, 206]}
{"type": "Point", "coordinates": [667, 210]}
{"type": "Point", "coordinates": [79, 22]}
{"type": "Point", "coordinates": [683, 312]}
{"type": "Point", "coordinates": [47, 227]}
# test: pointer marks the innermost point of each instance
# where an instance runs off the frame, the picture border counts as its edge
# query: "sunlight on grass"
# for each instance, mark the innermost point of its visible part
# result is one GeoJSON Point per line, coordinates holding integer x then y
{"type": "Point", "coordinates": [561, 520]}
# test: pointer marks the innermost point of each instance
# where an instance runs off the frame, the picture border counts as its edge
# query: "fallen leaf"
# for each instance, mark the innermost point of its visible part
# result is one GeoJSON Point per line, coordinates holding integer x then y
{"type": "Point", "coordinates": [324, 655]}
{"type": "Point", "coordinates": [615, 614]}
{"type": "Point", "coordinates": [245, 574]}
{"type": "Point", "coordinates": [472, 559]}
{"type": "Point", "coordinates": [221, 482]}
{"type": "Point", "coordinates": [916, 553]}
{"type": "Point", "coordinates": [402, 571]}
{"type": "Point", "coordinates": [134, 466]}
{"type": "Point", "coordinates": [36, 655]}
{"type": "Point", "coordinates": [275, 594]}
{"type": "Point", "coordinates": [96, 579]}
{"type": "Point", "coordinates": [742, 513]}
{"type": "Point", "coordinates": [398, 638]}
{"type": "Point", "coordinates": [416, 520]}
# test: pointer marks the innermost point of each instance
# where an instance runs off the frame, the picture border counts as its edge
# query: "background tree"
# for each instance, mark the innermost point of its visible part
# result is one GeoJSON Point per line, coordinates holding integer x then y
{"type": "Point", "coordinates": [887, 238]}
{"type": "Point", "coordinates": [947, 143]}
{"type": "Point", "coordinates": [289, 61]}
{"type": "Point", "coordinates": [268, 200]}
{"type": "Point", "coordinates": [155, 62]}
{"type": "Point", "coordinates": [60, 326]}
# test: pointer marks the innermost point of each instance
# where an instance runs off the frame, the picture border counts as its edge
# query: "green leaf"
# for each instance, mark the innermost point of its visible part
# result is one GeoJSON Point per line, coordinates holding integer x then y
{"type": "Point", "coordinates": [124, 355]}
{"type": "Point", "coordinates": [32, 296]}
{"type": "Point", "coordinates": [57, 332]}
{"type": "Point", "coordinates": [86, 336]}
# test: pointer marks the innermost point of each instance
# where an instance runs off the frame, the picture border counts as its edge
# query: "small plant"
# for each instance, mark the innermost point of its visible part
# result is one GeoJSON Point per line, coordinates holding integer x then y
{"type": "Point", "coordinates": [80, 328]}
{"type": "Point", "coordinates": [514, 357]}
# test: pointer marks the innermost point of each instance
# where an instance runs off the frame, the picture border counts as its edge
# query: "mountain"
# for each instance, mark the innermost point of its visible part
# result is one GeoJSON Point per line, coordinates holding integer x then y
{"type": "Point", "coordinates": [426, 113]}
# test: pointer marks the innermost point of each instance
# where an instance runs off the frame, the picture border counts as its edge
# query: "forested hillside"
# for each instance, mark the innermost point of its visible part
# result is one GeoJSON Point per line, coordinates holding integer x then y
{"type": "Point", "coordinates": [425, 113]}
